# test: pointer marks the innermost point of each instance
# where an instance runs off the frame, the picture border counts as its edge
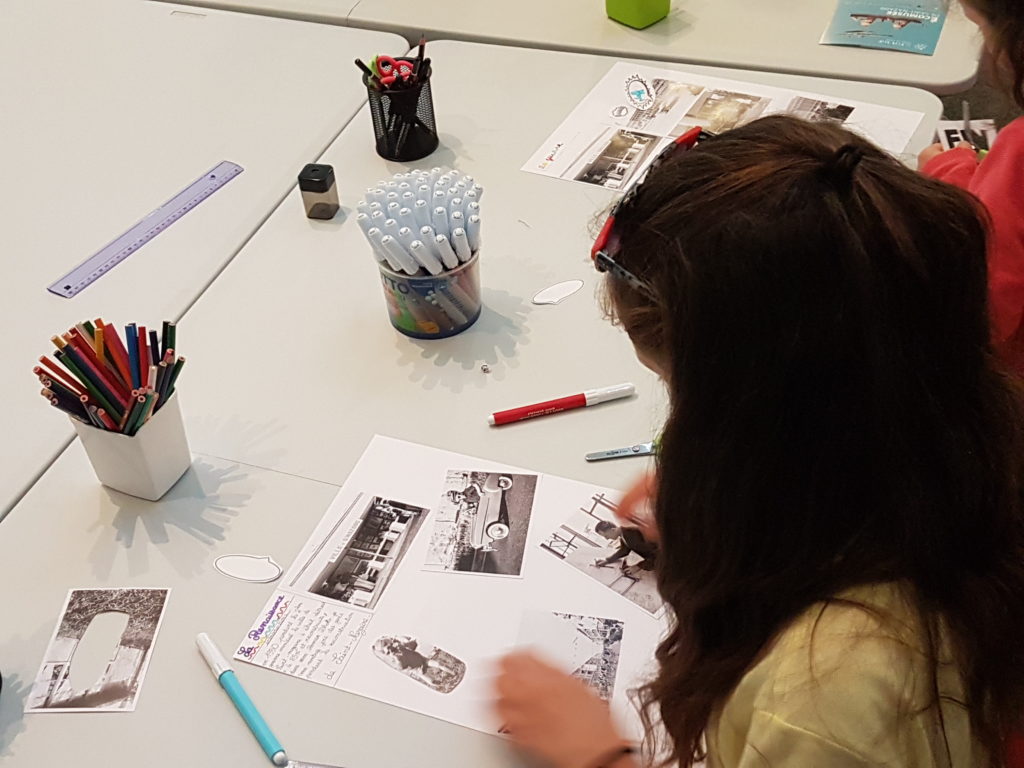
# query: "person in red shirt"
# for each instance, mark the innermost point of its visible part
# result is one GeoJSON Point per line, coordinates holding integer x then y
{"type": "Point", "coordinates": [998, 179]}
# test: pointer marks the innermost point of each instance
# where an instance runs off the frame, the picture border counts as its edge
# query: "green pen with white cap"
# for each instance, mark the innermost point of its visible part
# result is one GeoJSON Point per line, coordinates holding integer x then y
{"type": "Point", "coordinates": [229, 682]}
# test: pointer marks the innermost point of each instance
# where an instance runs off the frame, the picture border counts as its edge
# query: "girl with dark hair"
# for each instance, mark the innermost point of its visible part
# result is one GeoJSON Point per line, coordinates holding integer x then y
{"type": "Point", "coordinates": [838, 496]}
{"type": "Point", "coordinates": [998, 180]}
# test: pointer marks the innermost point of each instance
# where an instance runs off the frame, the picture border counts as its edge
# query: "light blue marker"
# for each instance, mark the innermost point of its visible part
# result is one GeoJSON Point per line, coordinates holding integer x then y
{"type": "Point", "coordinates": [229, 682]}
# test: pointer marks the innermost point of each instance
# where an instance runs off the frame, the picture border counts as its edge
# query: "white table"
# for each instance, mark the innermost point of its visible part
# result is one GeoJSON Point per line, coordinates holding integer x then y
{"type": "Point", "coordinates": [110, 108]}
{"type": "Point", "coordinates": [780, 36]}
{"type": "Point", "coordinates": [306, 295]}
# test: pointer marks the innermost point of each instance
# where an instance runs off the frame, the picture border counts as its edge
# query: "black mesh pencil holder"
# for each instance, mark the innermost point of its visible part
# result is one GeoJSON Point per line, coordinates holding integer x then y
{"type": "Point", "coordinates": [403, 119]}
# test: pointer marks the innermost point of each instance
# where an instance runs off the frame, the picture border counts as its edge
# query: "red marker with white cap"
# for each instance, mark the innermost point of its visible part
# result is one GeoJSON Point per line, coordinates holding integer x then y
{"type": "Point", "coordinates": [581, 400]}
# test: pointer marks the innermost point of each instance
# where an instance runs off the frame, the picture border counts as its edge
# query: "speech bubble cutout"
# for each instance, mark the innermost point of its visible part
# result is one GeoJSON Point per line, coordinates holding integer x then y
{"type": "Point", "coordinates": [96, 649]}
{"type": "Point", "coordinates": [558, 292]}
{"type": "Point", "coordinates": [258, 569]}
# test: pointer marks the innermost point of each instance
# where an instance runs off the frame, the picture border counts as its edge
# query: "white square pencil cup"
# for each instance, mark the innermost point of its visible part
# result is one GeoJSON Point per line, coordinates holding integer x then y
{"type": "Point", "coordinates": [145, 464]}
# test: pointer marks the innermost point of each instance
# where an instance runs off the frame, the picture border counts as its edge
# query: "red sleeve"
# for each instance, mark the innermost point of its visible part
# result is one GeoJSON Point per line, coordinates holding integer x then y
{"type": "Point", "coordinates": [999, 183]}
{"type": "Point", "coordinates": [954, 166]}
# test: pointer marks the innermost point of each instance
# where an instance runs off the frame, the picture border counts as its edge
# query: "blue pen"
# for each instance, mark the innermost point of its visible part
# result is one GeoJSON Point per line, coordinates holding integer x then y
{"type": "Point", "coordinates": [229, 682]}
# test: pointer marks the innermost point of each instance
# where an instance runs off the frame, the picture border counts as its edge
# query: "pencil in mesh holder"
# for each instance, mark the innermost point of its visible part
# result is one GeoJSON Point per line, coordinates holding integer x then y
{"type": "Point", "coordinates": [404, 128]}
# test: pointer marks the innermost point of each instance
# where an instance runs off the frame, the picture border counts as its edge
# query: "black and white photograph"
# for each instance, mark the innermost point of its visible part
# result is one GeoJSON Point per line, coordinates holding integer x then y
{"type": "Point", "coordinates": [359, 573]}
{"type": "Point", "coordinates": [593, 542]}
{"type": "Point", "coordinates": [117, 665]}
{"type": "Point", "coordinates": [586, 647]}
{"type": "Point", "coordinates": [669, 97]}
{"type": "Point", "coordinates": [615, 157]}
{"type": "Point", "coordinates": [428, 665]}
{"type": "Point", "coordinates": [818, 111]}
{"type": "Point", "coordinates": [719, 110]}
{"type": "Point", "coordinates": [482, 523]}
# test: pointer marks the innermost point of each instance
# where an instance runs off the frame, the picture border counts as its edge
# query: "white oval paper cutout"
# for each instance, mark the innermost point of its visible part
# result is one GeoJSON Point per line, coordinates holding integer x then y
{"type": "Point", "coordinates": [254, 568]}
{"type": "Point", "coordinates": [558, 292]}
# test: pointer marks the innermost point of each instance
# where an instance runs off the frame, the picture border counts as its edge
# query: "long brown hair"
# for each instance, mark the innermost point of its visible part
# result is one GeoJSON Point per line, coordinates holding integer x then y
{"type": "Point", "coordinates": [838, 417]}
{"type": "Point", "coordinates": [1006, 39]}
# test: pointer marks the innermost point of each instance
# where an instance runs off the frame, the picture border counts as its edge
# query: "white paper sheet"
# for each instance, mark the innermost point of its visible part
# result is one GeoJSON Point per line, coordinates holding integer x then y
{"type": "Point", "coordinates": [428, 642]}
{"type": "Point", "coordinates": [950, 132]}
{"type": "Point", "coordinates": [634, 111]}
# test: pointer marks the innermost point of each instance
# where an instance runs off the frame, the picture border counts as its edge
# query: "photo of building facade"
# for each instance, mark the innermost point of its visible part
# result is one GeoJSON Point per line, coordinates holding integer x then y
{"type": "Point", "coordinates": [359, 575]}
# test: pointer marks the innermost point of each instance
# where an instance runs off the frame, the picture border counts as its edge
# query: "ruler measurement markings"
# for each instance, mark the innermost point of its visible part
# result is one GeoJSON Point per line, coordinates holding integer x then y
{"type": "Point", "coordinates": [144, 230]}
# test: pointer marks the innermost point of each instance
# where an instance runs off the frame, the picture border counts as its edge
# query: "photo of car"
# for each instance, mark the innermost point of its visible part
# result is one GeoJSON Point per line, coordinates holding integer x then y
{"type": "Point", "coordinates": [489, 511]}
{"type": "Point", "coordinates": [482, 522]}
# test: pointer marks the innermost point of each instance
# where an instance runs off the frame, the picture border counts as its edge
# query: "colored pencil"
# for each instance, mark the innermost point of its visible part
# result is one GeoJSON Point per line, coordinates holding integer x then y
{"type": "Point", "coordinates": [117, 352]}
{"type": "Point", "coordinates": [107, 421]}
{"type": "Point", "coordinates": [163, 379]}
{"type": "Point", "coordinates": [60, 389]}
{"type": "Point", "coordinates": [128, 427]}
{"type": "Point", "coordinates": [91, 412]}
{"type": "Point", "coordinates": [56, 404]}
{"type": "Point", "coordinates": [174, 375]}
{"type": "Point", "coordinates": [95, 369]}
{"type": "Point", "coordinates": [54, 372]}
{"type": "Point", "coordinates": [143, 356]}
{"type": "Point", "coordinates": [165, 332]}
{"type": "Point", "coordinates": [69, 358]}
{"type": "Point", "coordinates": [70, 403]}
{"type": "Point", "coordinates": [111, 384]}
{"type": "Point", "coordinates": [131, 337]}
{"type": "Point", "coordinates": [88, 352]}
{"type": "Point", "coordinates": [147, 409]}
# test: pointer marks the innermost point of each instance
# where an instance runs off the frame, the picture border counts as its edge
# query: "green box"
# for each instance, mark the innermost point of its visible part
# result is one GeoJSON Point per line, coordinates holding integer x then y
{"type": "Point", "coordinates": [637, 13]}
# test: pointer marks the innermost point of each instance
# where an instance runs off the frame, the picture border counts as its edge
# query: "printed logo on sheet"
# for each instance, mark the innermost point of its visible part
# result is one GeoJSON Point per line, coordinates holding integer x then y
{"type": "Point", "coordinates": [639, 92]}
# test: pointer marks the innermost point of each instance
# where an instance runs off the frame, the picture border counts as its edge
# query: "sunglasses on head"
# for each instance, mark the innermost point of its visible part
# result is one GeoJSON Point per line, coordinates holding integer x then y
{"type": "Point", "coordinates": [606, 246]}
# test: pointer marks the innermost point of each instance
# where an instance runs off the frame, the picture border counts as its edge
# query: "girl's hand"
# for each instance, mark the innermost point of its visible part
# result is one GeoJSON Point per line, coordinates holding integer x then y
{"type": "Point", "coordinates": [930, 153]}
{"type": "Point", "coordinates": [636, 510]}
{"type": "Point", "coordinates": [552, 715]}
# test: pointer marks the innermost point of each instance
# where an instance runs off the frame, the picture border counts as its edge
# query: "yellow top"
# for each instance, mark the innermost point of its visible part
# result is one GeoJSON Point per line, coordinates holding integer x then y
{"type": "Point", "coordinates": [858, 694]}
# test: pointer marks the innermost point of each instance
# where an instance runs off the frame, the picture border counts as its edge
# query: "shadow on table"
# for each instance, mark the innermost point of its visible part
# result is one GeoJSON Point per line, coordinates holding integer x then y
{"type": "Point", "coordinates": [12, 711]}
{"type": "Point", "coordinates": [455, 363]}
{"type": "Point", "coordinates": [665, 32]}
{"type": "Point", "coordinates": [200, 505]}
{"type": "Point", "coordinates": [17, 683]}
{"type": "Point", "coordinates": [253, 442]}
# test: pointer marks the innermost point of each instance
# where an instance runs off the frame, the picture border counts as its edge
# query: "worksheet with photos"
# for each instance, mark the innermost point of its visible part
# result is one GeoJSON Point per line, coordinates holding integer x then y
{"type": "Point", "coordinates": [634, 111]}
{"type": "Point", "coordinates": [430, 565]}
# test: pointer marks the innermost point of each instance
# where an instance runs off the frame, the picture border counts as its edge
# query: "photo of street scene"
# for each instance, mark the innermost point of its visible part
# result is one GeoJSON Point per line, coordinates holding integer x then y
{"type": "Point", "coordinates": [586, 647]}
{"type": "Point", "coordinates": [818, 111]}
{"type": "Point", "coordinates": [482, 523]}
{"type": "Point", "coordinates": [593, 542]}
{"type": "Point", "coordinates": [614, 158]}
{"type": "Point", "coordinates": [359, 574]}
{"type": "Point", "coordinates": [718, 110]}
{"type": "Point", "coordinates": [117, 687]}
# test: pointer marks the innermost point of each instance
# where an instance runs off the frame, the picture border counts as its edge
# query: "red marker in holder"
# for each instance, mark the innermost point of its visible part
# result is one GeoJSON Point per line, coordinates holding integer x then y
{"type": "Point", "coordinates": [582, 400]}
